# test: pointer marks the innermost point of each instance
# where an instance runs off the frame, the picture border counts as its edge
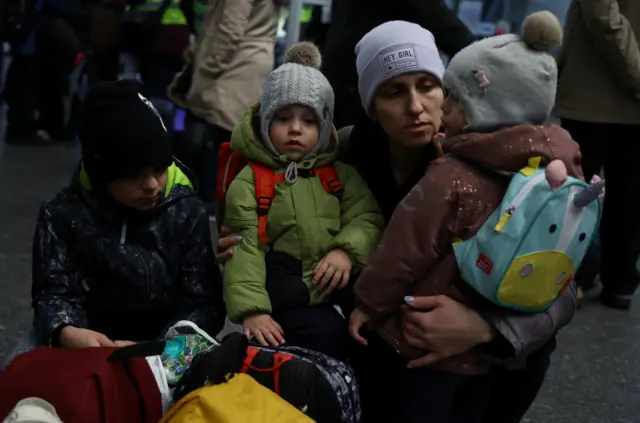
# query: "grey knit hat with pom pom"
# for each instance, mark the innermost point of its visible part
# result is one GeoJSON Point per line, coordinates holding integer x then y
{"type": "Point", "coordinates": [507, 80]}
{"type": "Point", "coordinates": [298, 81]}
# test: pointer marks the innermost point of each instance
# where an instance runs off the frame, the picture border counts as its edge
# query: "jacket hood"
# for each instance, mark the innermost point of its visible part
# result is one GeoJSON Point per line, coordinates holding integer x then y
{"type": "Point", "coordinates": [177, 176]}
{"type": "Point", "coordinates": [508, 150]}
{"type": "Point", "coordinates": [180, 184]}
{"type": "Point", "coordinates": [245, 141]}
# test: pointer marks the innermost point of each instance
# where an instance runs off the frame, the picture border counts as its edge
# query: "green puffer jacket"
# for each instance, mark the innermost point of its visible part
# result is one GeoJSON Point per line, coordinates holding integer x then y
{"type": "Point", "coordinates": [304, 223]}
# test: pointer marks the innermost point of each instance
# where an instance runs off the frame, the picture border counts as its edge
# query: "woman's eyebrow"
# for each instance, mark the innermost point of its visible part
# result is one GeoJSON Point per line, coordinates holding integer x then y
{"type": "Point", "coordinates": [428, 79]}
{"type": "Point", "coordinates": [395, 86]}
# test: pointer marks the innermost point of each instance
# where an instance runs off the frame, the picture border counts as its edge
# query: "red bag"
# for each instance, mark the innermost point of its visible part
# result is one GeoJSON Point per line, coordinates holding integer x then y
{"type": "Point", "coordinates": [101, 385]}
{"type": "Point", "coordinates": [230, 163]}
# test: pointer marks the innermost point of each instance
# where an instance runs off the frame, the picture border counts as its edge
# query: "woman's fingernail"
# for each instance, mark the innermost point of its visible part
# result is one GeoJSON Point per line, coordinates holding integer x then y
{"type": "Point", "coordinates": [409, 366]}
{"type": "Point", "coordinates": [408, 299]}
{"type": "Point", "coordinates": [230, 251]}
{"type": "Point", "coordinates": [239, 238]}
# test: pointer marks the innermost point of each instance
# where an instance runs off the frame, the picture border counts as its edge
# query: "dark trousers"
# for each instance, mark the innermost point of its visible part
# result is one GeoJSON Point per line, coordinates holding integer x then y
{"type": "Point", "coordinates": [390, 391]}
{"type": "Point", "coordinates": [590, 266]}
{"type": "Point", "coordinates": [157, 73]}
{"type": "Point", "coordinates": [103, 64]}
{"type": "Point", "coordinates": [21, 95]}
{"type": "Point", "coordinates": [58, 44]}
{"type": "Point", "coordinates": [427, 395]}
{"type": "Point", "coordinates": [513, 391]}
{"type": "Point", "coordinates": [40, 82]}
{"type": "Point", "coordinates": [319, 328]}
{"type": "Point", "coordinates": [201, 142]}
{"type": "Point", "coordinates": [616, 148]}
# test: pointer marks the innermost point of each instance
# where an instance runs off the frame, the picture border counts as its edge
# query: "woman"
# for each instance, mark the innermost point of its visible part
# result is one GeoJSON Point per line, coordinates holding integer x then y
{"type": "Point", "coordinates": [391, 150]}
{"type": "Point", "coordinates": [352, 19]}
{"type": "Point", "coordinates": [235, 53]}
{"type": "Point", "coordinates": [602, 41]}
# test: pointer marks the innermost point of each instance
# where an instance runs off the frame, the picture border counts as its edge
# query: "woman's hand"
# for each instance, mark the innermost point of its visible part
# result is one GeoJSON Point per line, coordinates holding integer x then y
{"type": "Point", "coordinates": [227, 239]}
{"type": "Point", "coordinates": [73, 337]}
{"type": "Point", "coordinates": [443, 327]}
{"type": "Point", "coordinates": [333, 271]}
{"type": "Point", "coordinates": [358, 319]}
{"type": "Point", "coordinates": [262, 327]}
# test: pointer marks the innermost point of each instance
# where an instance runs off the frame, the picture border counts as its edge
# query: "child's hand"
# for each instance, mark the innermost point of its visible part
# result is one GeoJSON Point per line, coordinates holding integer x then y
{"type": "Point", "coordinates": [266, 330]}
{"type": "Point", "coordinates": [72, 337]}
{"type": "Point", "coordinates": [333, 271]}
{"type": "Point", "coordinates": [358, 319]}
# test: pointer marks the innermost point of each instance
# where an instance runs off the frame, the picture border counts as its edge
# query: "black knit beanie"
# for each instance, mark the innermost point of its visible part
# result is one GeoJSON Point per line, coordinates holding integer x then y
{"type": "Point", "coordinates": [121, 132]}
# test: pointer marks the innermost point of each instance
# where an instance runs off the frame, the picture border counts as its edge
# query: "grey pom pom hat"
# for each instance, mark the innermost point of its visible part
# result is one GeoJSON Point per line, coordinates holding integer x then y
{"type": "Point", "coordinates": [298, 83]}
{"type": "Point", "coordinates": [507, 80]}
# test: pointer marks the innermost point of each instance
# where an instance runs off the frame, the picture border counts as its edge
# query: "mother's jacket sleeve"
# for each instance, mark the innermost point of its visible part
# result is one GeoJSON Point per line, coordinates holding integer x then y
{"type": "Point", "coordinates": [525, 333]}
{"type": "Point", "coordinates": [58, 284]}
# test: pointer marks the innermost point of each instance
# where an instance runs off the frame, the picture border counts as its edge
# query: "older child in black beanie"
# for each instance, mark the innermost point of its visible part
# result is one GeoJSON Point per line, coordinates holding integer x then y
{"type": "Point", "coordinates": [124, 251]}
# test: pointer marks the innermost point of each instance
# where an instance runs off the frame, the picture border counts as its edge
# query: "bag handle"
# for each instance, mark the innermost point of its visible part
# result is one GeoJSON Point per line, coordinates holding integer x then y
{"type": "Point", "coordinates": [141, 349]}
{"type": "Point", "coordinates": [196, 329]}
{"type": "Point", "coordinates": [279, 359]}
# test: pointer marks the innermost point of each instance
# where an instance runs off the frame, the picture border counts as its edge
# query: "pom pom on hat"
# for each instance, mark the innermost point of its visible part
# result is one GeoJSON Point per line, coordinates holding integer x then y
{"type": "Point", "coordinates": [542, 31]}
{"type": "Point", "coordinates": [305, 54]}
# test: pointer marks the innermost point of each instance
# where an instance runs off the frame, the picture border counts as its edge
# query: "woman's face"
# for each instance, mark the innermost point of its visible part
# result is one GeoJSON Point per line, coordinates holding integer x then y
{"type": "Point", "coordinates": [408, 108]}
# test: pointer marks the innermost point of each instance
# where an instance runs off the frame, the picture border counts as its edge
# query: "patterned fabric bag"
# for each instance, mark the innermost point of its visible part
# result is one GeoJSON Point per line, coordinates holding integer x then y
{"type": "Point", "coordinates": [184, 341]}
{"type": "Point", "coordinates": [323, 388]}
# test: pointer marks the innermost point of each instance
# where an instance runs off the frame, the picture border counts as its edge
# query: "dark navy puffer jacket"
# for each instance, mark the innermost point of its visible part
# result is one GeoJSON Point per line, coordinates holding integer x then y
{"type": "Point", "coordinates": [129, 275]}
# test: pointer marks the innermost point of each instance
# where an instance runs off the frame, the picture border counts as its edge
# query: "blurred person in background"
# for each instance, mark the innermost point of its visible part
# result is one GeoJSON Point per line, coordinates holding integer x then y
{"type": "Point", "coordinates": [598, 101]}
{"type": "Point", "coordinates": [232, 59]}
{"type": "Point", "coordinates": [318, 27]}
{"type": "Point", "coordinates": [157, 32]}
{"type": "Point", "coordinates": [44, 40]}
{"type": "Point", "coordinates": [20, 89]}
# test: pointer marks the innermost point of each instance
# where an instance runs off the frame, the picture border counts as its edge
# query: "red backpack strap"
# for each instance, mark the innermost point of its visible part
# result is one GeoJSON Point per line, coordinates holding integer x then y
{"type": "Point", "coordinates": [265, 183]}
{"type": "Point", "coordinates": [330, 181]}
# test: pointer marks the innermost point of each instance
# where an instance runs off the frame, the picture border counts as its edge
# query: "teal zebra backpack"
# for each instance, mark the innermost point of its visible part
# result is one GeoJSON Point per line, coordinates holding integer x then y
{"type": "Point", "coordinates": [528, 250]}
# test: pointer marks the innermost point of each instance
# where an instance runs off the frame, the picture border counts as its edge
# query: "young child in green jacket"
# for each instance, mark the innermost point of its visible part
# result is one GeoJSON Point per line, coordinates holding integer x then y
{"type": "Point", "coordinates": [314, 232]}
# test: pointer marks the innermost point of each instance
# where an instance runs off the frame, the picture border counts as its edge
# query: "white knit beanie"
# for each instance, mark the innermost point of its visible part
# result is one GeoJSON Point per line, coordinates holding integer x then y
{"type": "Point", "coordinates": [298, 82]}
{"type": "Point", "coordinates": [391, 49]}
